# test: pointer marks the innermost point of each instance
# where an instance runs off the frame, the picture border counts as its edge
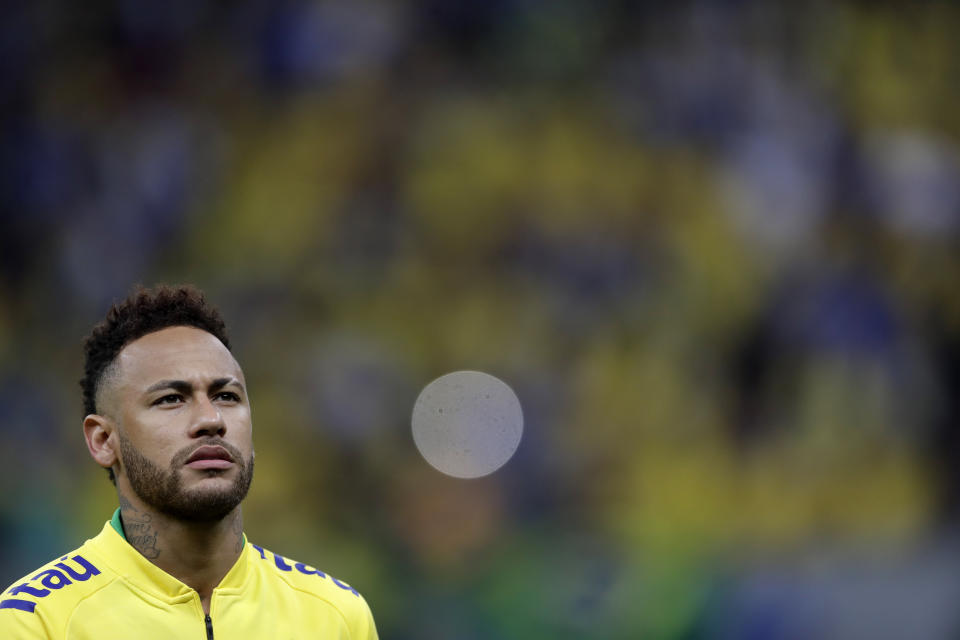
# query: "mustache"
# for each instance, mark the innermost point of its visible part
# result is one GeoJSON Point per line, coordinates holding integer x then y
{"type": "Point", "coordinates": [181, 457]}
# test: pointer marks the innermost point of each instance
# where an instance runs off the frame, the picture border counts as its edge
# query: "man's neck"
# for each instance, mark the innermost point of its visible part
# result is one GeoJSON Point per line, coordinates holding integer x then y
{"type": "Point", "coordinates": [199, 554]}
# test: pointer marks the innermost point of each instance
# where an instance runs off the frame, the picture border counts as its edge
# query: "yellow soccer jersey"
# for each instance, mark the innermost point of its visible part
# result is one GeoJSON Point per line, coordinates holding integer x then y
{"type": "Point", "coordinates": [106, 590]}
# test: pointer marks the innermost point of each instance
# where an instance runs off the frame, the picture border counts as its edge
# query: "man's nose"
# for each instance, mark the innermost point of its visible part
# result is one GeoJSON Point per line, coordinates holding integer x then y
{"type": "Point", "coordinates": [208, 421]}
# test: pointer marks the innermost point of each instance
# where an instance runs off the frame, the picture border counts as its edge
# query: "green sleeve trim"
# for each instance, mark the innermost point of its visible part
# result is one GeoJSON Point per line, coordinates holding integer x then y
{"type": "Point", "coordinates": [116, 523]}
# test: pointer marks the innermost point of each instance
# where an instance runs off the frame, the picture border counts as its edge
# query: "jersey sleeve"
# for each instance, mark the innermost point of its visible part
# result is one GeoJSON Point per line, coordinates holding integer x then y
{"type": "Point", "coordinates": [363, 625]}
{"type": "Point", "coordinates": [16, 624]}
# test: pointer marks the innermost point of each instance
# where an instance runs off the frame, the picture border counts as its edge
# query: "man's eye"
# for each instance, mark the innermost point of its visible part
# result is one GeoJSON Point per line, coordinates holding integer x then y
{"type": "Point", "coordinates": [170, 398]}
{"type": "Point", "coordinates": [229, 396]}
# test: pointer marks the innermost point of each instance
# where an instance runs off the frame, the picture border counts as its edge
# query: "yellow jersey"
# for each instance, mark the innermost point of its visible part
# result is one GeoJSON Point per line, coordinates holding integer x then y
{"type": "Point", "coordinates": [106, 590]}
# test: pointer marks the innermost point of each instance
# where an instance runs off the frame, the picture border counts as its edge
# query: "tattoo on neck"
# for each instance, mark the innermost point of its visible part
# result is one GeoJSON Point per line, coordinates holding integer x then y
{"type": "Point", "coordinates": [139, 529]}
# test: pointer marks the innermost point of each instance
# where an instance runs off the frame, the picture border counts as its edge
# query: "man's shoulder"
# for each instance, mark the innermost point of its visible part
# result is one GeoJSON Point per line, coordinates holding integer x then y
{"type": "Point", "coordinates": [55, 588]}
{"type": "Point", "coordinates": [306, 578]}
{"type": "Point", "coordinates": [289, 578]}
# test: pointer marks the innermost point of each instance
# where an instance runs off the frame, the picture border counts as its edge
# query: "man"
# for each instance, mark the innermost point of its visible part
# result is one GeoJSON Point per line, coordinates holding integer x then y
{"type": "Point", "coordinates": [169, 418]}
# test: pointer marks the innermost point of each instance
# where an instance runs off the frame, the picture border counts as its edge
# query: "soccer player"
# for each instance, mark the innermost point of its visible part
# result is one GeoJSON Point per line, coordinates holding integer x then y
{"type": "Point", "coordinates": [169, 417]}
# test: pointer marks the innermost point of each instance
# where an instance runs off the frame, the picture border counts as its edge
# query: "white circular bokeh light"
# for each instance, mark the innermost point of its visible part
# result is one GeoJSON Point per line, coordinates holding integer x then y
{"type": "Point", "coordinates": [467, 424]}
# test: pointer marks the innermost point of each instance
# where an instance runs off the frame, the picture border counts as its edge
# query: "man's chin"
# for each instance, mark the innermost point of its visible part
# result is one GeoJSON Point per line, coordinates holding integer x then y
{"type": "Point", "coordinates": [203, 497]}
{"type": "Point", "coordinates": [204, 504]}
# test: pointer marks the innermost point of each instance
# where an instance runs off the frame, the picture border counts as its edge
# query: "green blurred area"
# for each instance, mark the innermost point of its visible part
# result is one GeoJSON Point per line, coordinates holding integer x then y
{"type": "Point", "coordinates": [712, 247]}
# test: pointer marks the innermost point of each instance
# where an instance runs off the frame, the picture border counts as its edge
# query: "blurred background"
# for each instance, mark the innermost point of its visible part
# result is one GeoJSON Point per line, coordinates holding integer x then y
{"type": "Point", "coordinates": [712, 246]}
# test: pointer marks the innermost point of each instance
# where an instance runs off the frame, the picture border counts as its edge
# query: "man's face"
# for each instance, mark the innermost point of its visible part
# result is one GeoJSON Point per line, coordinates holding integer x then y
{"type": "Point", "coordinates": [182, 424]}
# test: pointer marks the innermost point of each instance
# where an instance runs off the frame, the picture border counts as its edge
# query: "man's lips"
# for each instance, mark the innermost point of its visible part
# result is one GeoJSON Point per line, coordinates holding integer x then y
{"type": "Point", "coordinates": [210, 457]}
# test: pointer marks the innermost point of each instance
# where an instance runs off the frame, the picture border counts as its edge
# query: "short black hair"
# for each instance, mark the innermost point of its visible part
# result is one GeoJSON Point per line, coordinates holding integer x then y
{"type": "Point", "coordinates": [144, 311]}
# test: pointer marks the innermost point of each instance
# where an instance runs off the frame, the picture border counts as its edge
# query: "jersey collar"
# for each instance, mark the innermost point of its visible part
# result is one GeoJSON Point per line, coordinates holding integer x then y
{"type": "Point", "coordinates": [137, 570]}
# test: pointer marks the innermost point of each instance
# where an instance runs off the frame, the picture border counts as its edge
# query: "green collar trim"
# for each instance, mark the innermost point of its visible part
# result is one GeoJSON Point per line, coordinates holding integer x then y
{"type": "Point", "coordinates": [117, 524]}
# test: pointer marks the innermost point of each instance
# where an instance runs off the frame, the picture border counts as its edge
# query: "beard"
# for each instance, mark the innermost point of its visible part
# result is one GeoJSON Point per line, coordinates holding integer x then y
{"type": "Point", "coordinates": [163, 489]}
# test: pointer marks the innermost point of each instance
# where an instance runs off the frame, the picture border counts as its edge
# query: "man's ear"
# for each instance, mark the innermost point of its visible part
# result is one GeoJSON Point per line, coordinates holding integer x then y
{"type": "Point", "coordinates": [99, 433]}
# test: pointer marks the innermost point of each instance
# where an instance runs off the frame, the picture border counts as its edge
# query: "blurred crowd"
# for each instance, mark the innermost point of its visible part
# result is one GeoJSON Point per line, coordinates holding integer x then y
{"type": "Point", "coordinates": [712, 246]}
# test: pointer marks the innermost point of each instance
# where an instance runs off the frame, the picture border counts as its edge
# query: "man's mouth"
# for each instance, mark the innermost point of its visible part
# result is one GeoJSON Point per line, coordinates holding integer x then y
{"type": "Point", "coordinates": [210, 457]}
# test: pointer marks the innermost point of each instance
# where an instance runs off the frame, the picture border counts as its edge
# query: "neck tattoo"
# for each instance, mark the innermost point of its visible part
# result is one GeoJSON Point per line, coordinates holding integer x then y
{"type": "Point", "coordinates": [139, 529]}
